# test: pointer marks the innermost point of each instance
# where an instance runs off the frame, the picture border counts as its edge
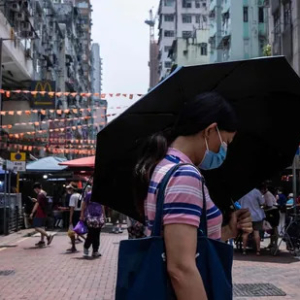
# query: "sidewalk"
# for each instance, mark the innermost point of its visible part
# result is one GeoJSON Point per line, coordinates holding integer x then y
{"type": "Point", "coordinates": [51, 274]}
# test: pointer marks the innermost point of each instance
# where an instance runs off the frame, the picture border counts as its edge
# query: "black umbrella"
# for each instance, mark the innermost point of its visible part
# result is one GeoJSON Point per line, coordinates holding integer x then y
{"type": "Point", "coordinates": [266, 95]}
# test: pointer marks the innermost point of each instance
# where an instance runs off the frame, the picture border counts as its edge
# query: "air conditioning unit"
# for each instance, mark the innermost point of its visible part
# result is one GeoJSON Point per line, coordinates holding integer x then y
{"type": "Point", "coordinates": [15, 7]}
{"type": "Point", "coordinates": [30, 35]}
{"type": "Point", "coordinates": [20, 17]}
{"type": "Point", "coordinates": [25, 26]}
{"type": "Point", "coordinates": [28, 53]}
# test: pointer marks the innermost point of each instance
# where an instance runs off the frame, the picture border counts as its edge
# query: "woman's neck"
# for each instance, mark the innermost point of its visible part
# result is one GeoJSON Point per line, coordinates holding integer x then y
{"type": "Point", "coordinates": [184, 145]}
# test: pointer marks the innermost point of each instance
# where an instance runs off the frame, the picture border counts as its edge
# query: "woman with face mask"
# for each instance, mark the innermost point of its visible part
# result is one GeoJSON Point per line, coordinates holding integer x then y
{"type": "Point", "coordinates": [199, 140]}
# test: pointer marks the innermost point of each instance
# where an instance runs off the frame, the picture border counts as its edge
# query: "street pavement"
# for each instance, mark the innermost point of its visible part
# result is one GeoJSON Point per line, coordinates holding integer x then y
{"type": "Point", "coordinates": [51, 274]}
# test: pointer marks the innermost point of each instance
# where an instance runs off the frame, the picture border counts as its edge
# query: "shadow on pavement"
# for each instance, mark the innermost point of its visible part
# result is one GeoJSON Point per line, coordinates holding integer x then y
{"type": "Point", "coordinates": [282, 257]}
{"type": "Point", "coordinates": [34, 248]}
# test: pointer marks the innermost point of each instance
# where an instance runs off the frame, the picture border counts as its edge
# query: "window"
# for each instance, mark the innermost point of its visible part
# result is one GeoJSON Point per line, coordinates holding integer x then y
{"type": "Point", "coordinates": [204, 4]}
{"type": "Point", "coordinates": [169, 18]}
{"type": "Point", "coordinates": [167, 48]}
{"type": "Point", "coordinates": [186, 18]}
{"type": "Point", "coordinates": [169, 33]}
{"type": "Point", "coordinates": [186, 34]}
{"type": "Point", "coordinates": [169, 2]}
{"type": "Point", "coordinates": [261, 15]}
{"type": "Point", "coordinates": [168, 64]}
{"type": "Point", "coordinates": [186, 3]}
{"type": "Point", "coordinates": [197, 4]}
{"type": "Point", "coordinates": [198, 18]}
{"type": "Point", "coordinates": [203, 49]}
{"type": "Point", "coordinates": [287, 14]}
{"type": "Point", "coordinates": [246, 17]}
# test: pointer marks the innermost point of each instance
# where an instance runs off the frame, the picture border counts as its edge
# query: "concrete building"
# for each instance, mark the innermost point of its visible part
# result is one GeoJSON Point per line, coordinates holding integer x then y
{"type": "Point", "coordinates": [191, 51]}
{"type": "Point", "coordinates": [178, 20]}
{"type": "Point", "coordinates": [238, 29]}
{"type": "Point", "coordinates": [51, 41]}
{"type": "Point", "coordinates": [284, 31]}
{"type": "Point", "coordinates": [97, 102]}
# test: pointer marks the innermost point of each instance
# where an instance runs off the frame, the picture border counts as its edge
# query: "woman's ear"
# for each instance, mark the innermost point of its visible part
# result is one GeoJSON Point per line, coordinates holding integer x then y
{"type": "Point", "coordinates": [209, 129]}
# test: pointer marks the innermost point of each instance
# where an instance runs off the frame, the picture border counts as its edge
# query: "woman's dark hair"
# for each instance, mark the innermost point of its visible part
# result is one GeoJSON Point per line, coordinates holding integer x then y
{"type": "Point", "coordinates": [196, 115]}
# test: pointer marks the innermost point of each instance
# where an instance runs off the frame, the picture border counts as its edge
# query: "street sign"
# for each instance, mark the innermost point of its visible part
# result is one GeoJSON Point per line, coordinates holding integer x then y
{"type": "Point", "coordinates": [19, 166]}
{"type": "Point", "coordinates": [18, 156]}
{"type": "Point", "coordinates": [8, 166]}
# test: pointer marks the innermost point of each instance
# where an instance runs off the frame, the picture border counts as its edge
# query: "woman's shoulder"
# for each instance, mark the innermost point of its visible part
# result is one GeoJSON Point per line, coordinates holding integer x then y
{"type": "Point", "coordinates": [188, 171]}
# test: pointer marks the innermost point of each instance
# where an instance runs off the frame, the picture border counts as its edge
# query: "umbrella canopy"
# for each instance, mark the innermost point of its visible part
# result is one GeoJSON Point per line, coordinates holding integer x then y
{"type": "Point", "coordinates": [46, 164]}
{"type": "Point", "coordinates": [84, 162]}
{"type": "Point", "coordinates": [266, 96]}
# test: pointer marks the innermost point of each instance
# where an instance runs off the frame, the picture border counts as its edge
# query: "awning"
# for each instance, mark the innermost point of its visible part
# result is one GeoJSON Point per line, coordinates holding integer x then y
{"type": "Point", "coordinates": [46, 164]}
{"type": "Point", "coordinates": [84, 162]}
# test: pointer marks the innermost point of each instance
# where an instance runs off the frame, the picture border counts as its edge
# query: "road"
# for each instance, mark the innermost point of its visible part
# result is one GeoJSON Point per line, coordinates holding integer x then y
{"type": "Point", "coordinates": [51, 274]}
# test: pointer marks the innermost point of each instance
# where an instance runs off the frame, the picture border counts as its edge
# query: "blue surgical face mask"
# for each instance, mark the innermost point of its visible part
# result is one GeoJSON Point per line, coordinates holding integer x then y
{"type": "Point", "coordinates": [211, 159]}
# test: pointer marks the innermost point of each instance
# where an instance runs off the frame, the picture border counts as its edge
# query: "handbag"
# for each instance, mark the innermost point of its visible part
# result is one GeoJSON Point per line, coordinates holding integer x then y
{"type": "Point", "coordinates": [142, 269]}
{"type": "Point", "coordinates": [80, 228]}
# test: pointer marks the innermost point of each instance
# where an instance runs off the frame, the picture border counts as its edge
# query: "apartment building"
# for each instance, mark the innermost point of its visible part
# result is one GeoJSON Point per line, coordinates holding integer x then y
{"type": "Point", "coordinates": [238, 29]}
{"type": "Point", "coordinates": [178, 21]}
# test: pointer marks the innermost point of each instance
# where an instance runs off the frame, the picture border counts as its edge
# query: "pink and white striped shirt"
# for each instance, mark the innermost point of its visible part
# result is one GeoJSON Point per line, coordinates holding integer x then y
{"type": "Point", "coordinates": [183, 196]}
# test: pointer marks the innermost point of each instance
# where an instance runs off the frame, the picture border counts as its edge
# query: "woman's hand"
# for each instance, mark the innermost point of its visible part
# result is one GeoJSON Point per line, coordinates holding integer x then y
{"type": "Point", "coordinates": [239, 220]}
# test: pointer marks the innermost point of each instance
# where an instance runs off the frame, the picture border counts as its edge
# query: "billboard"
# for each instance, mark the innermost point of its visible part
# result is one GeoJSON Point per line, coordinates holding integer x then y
{"type": "Point", "coordinates": [43, 100]}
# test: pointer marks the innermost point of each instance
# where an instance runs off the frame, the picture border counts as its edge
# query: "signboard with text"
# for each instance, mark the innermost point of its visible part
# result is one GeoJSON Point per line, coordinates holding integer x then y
{"type": "Point", "coordinates": [43, 100]}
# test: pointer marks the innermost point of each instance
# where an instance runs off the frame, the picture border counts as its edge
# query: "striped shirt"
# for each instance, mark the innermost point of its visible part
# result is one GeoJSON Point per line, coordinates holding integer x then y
{"type": "Point", "coordinates": [183, 196]}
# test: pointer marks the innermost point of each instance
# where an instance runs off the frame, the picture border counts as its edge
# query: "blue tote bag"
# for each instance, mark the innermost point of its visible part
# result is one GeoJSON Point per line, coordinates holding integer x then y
{"type": "Point", "coordinates": [142, 268]}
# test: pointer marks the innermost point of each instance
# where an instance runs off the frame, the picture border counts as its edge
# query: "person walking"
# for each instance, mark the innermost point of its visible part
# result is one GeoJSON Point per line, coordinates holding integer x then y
{"type": "Point", "coordinates": [94, 228]}
{"type": "Point", "coordinates": [39, 214]}
{"type": "Point", "coordinates": [75, 207]}
{"type": "Point", "coordinates": [281, 201]}
{"type": "Point", "coordinates": [117, 221]}
{"type": "Point", "coordinates": [203, 130]}
{"type": "Point", "coordinates": [253, 202]}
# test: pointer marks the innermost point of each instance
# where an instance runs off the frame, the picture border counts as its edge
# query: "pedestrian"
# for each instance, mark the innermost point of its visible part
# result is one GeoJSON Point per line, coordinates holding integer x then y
{"type": "Point", "coordinates": [117, 221]}
{"type": "Point", "coordinates": [281, 201]}
{"type": "Point", "coordinates": [290, 200]}
{"type": "Point", "coordinates": [270, 199]}
{"type": "Point", "coordinates": [75, 208]}
{"type": "Point", "coordinates": [204, 129]}
{"type": "Point", "coordinates": [94, 227]}
{"type": "Point", "coordinates": [39, 214]}
{"type": "Point", "coordinates": [253, 202]}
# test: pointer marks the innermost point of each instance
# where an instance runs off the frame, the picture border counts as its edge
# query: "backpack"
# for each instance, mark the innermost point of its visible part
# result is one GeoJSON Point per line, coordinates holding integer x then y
{"type": "Point", "coordinates": [94, 215]}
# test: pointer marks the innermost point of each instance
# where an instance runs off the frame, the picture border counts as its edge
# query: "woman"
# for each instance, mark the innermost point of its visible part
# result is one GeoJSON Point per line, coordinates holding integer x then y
{"type": "Point", "coordinates": [200, 137]}
{"type": "Point", "coordinates": [94, 216]}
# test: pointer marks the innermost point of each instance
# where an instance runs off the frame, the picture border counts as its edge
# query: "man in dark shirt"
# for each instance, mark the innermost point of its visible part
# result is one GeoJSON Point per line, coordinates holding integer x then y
{"type": "Point", "coordinates": [39, 214]}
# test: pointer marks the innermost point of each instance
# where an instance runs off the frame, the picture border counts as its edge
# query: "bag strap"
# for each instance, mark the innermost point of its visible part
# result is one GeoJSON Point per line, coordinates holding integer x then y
{"type": "Point", "coordinates": [157, 226]}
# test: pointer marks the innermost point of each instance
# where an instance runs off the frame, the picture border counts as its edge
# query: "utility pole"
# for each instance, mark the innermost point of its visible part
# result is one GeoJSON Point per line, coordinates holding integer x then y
{"type": "Point", "coordinates": [153, 64]}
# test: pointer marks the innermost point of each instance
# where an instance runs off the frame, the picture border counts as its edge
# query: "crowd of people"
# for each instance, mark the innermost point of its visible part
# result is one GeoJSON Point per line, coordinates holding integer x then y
{"type": "Point", "coordinates": [260, 202]}
{"type": "Point", "coordinates": [79, 208]}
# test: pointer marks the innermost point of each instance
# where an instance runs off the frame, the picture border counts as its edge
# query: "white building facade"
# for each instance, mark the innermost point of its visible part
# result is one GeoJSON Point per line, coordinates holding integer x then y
{"type": "Point", "coordinates": [238, 29]}
{"type": "Point", "coordinates": [178, 19]}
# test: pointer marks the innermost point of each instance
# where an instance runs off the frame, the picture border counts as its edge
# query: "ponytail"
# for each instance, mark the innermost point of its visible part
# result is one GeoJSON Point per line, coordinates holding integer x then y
{"type": "Point", "coordinates": [154, 150]}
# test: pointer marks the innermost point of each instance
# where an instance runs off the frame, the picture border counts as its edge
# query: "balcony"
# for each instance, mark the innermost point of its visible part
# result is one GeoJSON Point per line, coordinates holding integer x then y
{"type": "Point", "coordinates": [226, 7]}
{"type": "Point", "coordinates": [212, 5]}
{"type": "Point", "coordinates": [213, 29]}
{"type": "Point", "coordinates": [14, 60]}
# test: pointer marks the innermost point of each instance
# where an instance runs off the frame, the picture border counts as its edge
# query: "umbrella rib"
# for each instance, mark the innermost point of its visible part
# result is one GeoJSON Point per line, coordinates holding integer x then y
{"type": "Point", "coordinates": [233, 70]}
